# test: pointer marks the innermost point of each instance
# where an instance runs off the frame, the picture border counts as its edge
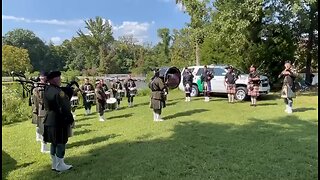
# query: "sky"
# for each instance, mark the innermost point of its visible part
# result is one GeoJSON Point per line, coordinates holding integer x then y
{"type": "Point", "coordinates": [57, 20]}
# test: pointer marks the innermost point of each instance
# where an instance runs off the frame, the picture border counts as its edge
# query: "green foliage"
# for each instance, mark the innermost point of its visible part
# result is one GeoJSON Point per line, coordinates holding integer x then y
{"type": "Point", "coordinates": [197, 140]}
{"type": "Point", "coordinates": [71, 75]}
{"type": "Point", "coordinates": [15, 59]}
{"type": "Point", "coordinates": [143, 92]}
{"type": "Point", "coordinates": [14, 107]}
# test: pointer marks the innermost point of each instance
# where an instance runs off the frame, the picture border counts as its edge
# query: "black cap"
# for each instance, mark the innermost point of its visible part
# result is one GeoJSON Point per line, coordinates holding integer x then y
{"type": "Point", "coordinates": [229, 67]}
{"type": "Point", "coordinates": [53, 74]}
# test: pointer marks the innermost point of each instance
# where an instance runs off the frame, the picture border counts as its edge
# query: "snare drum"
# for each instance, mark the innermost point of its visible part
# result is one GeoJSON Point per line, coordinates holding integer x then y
{"type": "Point", "coordinates": [107, 94]}
{"type": "Point", "coordinates": [90, 97]}
{"type": "Point", "coordinates": [132, 91]}
{"type": "Point", "coordinates": [120, 94]}
{"type": "Point", "coordinates": [74, 101]}
{"type": "Point", "coordinates": [111, 103]}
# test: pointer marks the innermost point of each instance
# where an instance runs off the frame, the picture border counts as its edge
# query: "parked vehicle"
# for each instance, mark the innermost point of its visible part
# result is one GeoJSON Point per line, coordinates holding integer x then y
{"type": "Point", "coordinates": [217, 82]}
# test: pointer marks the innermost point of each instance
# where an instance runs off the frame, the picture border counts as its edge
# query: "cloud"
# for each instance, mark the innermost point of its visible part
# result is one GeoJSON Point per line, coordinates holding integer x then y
{"type": "Point", "coordinates": [139, 31]}
{"type": "Point", "coordinates": [55, 40]}
{"type": "Point", "coordinates": [44, 21]}
{"type": "Point", "coordinates": [181, 7]}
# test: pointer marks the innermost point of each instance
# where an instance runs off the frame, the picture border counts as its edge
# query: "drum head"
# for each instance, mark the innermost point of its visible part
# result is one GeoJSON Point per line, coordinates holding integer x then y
{"type": "Point", "coordinates": [74, 98]}
{"type": "Point", "coordinates": [111, 100]}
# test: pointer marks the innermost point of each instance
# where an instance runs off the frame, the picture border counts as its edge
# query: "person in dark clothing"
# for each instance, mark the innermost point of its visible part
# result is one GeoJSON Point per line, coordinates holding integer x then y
{"type": "Point", "coordinates": [288, 88]}
{"type": "Point", "coordinates": [131, 89]}
{"type": "Point", "coordinates": [158, 95]}
{"type": "Point", "coordinates": [253, 85]}
{"type": "Point", "coordinates": [187, 82]}
{"type": "Point", "coordinates": [206, 80]}
{"type": "Point", "coordinates": [101, 100]}
{"type": "Point", "coordinates": [58, 120]}
{"type": "Point", "coordinates": [230, 83]}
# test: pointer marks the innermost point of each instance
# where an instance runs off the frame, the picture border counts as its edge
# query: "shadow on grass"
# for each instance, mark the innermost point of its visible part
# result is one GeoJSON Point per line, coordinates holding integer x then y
{"type": "Point", "coordinates": [303, 109]}
{"type": "Point", "coordinates": [120, 116]}
{"type": "Point", "coordinates": [185, 113]}
{"type": "Point", "coordinates": [142, 104]}
{"type": "Point", "coordinates": [282, 148]}
{"type": "Point", "coordinates": [81, 125]}
{"type": "Point", "coordinates": [267, 104]}
{"type": "Point", "coordinates": [79, 132]}
{"type": "Point", "coordinates": [91, 141]}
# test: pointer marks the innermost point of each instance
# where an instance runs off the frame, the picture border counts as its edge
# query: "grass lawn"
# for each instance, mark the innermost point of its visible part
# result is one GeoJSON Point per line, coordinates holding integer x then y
{"type": "Point", "coordinates": [197, 140]}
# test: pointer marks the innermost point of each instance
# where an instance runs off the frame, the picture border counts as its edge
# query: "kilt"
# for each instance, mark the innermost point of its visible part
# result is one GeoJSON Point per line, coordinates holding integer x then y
{"type": "Point", "coordinates": [56, 135]}
{"type": "Point", "coordinates": [206, 86]}
{"type": "Point", "coordinates": [231, 88]}
{"type": "Point", "coordinates": [187, 88]}
{"type": "Point", "coordinates": [101, 106]}
{"type": "Point", "coordinates": [157, 104]}
{"type": "Point", "coordinates": [40, 125]}
{"type": "Point", "coordinates": [253, 90]}
{"type": "Point", "coordinates": [287, 92]}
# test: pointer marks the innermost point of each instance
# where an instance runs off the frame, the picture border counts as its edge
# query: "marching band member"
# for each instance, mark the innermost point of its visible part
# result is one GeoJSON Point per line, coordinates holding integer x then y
{"type": "Point", "coordinates": [230, 83]}
{"type": "Point", "coordinates": [100, 100]}
{"type": "Point", "coordinates": [288, 87]}
{"type": "Point", "coordinates": [253, 85]}
{"type": "Point", "coordinates": [131, 89]}
{"type": "Point", "coordinates": [87, 89]}
{"type": "Point", "coordinates": [117, 91]}
{"type": "Point", "coordinates": [187, 82]}
{"type": "Point", "coordinates": [206, 78]}
{"type": "Point", "coordinates": [57, 120]}
{"type": "Point", "coordinates": [39, 111]}
{"type": "Point", "coordinates": [158, 95]}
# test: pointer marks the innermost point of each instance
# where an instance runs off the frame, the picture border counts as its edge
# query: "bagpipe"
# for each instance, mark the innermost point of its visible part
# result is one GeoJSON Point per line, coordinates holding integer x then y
{"type": "Point", "coordinates": [28, 84]}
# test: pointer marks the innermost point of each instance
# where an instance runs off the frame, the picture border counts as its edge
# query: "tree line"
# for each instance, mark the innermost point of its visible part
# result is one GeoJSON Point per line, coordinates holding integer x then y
{"type": "Point", "coordinates": [265, 33]}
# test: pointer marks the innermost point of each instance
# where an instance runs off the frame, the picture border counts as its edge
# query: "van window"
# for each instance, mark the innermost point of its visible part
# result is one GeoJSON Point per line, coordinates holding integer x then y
{"type": "Point", "coordinates": [200, 71]}
{"type": "Point", "coordinates": [219, 71]}
{"type": "Point", "coordinates": [190, 69]}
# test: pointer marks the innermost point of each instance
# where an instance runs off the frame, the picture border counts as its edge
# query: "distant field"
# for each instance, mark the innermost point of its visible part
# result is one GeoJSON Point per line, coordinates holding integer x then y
{"type": "Point", "coordinates": [197, 140]}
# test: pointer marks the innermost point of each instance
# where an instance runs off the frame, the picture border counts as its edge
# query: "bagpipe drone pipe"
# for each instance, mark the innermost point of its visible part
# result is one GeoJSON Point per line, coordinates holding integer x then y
{"type": "Point", "coordinates": [171, 76]}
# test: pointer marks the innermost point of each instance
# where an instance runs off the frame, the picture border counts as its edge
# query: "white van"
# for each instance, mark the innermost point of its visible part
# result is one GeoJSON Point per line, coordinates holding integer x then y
{"type": "Point", "coordinates": [217, 82]}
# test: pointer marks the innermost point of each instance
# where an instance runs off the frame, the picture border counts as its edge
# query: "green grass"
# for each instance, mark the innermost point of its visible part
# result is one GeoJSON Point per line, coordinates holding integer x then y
{"type": "Point", "coordinates": [197, 140]}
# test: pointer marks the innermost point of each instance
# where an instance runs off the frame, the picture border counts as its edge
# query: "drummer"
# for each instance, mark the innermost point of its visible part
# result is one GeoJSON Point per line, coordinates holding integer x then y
{"type": "Point", "coordinates": [101, 100]}
{"type": "Point", "coordinates": [117, 91]}
{"type": "Point", "coordinates": [86, 90]}
{"type": "Point", "coordinates": [131, 89]}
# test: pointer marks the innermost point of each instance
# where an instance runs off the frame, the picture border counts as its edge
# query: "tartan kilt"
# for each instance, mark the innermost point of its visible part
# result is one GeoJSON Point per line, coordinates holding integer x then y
{"type": "Point", "coordinates": [231, 88]}
{"type": "Point", "coordinates": [253, 90]}
{"type": "Point", "coordinates": [157, 104]}
{"type": "Point", "coordinates": [56, 135]}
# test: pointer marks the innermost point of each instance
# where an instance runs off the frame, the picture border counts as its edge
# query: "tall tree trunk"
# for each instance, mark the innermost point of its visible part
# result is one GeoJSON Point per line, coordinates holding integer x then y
{"type": "Point", "coordinates": [197, 54]}
{"type": "Point", "coordinates": [310, 43]}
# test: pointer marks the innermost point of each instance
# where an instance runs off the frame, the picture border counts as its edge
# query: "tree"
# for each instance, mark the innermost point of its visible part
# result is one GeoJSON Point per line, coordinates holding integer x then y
{"type": "Point", "coordinates": [164, 34]}
{"type": "Point", "coordinates": [99, 39]}
{"type": "Point", "coordinates": [199, 13]}
{"type": "Point", "coordinates": [26, 39]}
{"type": "Point", "coordinates": [15, 59]}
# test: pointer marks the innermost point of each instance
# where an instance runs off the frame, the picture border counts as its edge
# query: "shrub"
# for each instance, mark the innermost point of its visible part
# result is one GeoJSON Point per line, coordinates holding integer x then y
{"type": "Point", "coordinates": [144, 92]}
{"type": "Point", "coordinates": [15, 108]}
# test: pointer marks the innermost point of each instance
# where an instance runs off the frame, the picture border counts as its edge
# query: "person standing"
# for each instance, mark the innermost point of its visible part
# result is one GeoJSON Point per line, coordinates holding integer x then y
{"type": "Point", "coordinates": [39, 111]}
{"type": "Point", "coordinates": [100, 100]}
{"type": "Point", "coordinates": [58, 120]}
{"type": "Point", "coordinates": [187, 82]}
{"type": "Point", "coordinates": [206, 80]}
{"type": "Point", "coordinates": [253, 85]}
{"type": "Point", "coordinates": [230, 83]}
{"type": "Point", "coordinates": [288, 88]}
{"type": "Point", "coordinates": [87, 90]}
{"type": "Point", "coordinates": [158, 95]}
{"type": "Point", "coordinates": [131, 89]}
{"type": "Point", "coordinates": [117, 91]}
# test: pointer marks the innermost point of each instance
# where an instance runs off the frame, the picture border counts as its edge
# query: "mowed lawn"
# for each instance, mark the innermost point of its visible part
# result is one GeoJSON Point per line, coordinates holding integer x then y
{"type": "Point", "coordinates": [197, 140]}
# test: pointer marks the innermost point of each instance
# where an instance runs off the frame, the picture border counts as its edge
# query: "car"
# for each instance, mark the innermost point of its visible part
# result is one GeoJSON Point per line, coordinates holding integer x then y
{"type": "Point", "coordinates": [217, 82]}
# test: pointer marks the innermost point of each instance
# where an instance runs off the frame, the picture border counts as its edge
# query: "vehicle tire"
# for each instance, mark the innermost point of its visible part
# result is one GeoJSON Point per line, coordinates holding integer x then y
{"type": "Point", "coordinates": [241, 93]}
{"type": "Point", "coordinates": [194, 91]}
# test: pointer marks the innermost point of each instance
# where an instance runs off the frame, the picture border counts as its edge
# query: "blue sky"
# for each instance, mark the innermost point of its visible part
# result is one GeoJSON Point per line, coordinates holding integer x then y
{"type": "Point", "coordinates": [58, 20]}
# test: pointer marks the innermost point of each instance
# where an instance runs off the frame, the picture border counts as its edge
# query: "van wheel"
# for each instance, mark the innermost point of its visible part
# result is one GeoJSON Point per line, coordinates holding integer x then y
{"type": "Point", "coordinates": [241, 93]}
{"type": "Point", "coordinates": [194, 91]}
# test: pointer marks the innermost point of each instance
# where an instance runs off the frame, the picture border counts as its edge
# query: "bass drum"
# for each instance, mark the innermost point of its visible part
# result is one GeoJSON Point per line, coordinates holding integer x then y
{"type": "Point", "coordinates": [171, 76]}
